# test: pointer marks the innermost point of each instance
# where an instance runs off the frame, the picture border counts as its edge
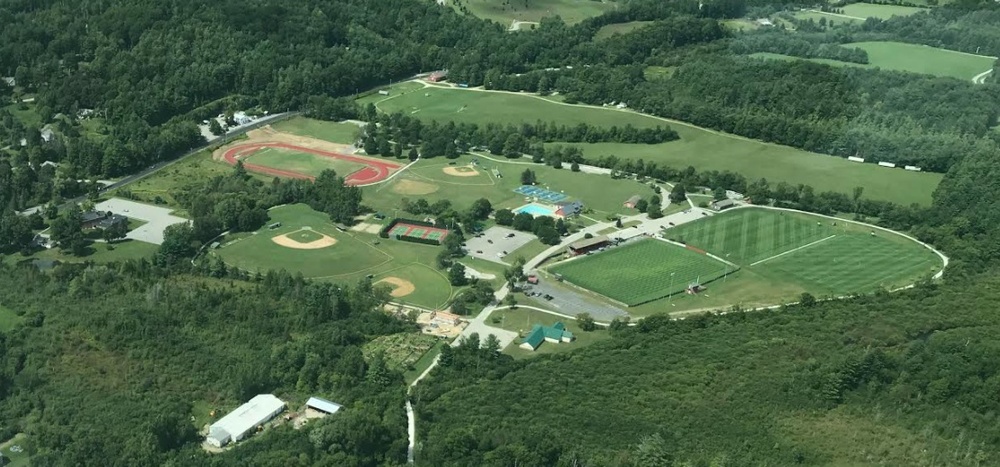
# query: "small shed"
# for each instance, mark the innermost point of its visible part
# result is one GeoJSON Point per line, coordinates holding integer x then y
{"type": "Point", "coordinates": [723, 204]}
{"type": "Point", "coordinates": [631, 202]}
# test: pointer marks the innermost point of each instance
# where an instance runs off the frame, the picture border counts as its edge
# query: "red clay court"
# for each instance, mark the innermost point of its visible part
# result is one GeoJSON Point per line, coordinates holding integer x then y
{"type": "Point", "coordinates": [375, 170]}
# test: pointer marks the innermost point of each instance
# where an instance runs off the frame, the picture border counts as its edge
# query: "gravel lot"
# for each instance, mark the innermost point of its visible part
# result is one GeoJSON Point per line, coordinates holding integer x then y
{"type": "Point", "coordinates": [498, 235]}
{"type": "Point", "coordinates": [157, 218]}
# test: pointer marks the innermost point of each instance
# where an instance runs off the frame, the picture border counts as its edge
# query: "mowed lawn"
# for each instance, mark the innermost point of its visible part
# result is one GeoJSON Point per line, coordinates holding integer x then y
{"type": "Point", "coordinates": [745, 236]}
{"type": "Point", "coordinates": [302, 162]}
{"type": "Point", "coordinates": [871, 10]}
{"type": "Point", "coordinates": [640, 272]}
{"type": "Point", "coordinates": [698, 147]}
{"type": "Point", "coordinates": [344, 132]}
{"type": "Point", "coordinates": [913, 58]}
{"type": "Point", "coordinates": [571, 11]}
{"type": "Point", "coordinates": [810, 251]}
{"type": "Point", "coordinates": [355, 256]}
{"type": "Point", "coordinates": [427, 179]}
{"type": "Point", "coordinates": [259, 252]}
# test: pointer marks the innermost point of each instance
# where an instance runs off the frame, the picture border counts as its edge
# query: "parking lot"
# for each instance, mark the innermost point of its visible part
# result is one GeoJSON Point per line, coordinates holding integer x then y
{"type": "Point", "coordinates": [496, 242]}
{"type": "Point", "coordinates": [157, 219]}
{"type": "Point", "coordinates": [569, 302]}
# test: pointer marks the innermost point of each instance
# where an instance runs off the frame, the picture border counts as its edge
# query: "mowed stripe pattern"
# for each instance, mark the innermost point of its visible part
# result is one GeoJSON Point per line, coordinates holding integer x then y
{"type": "Point", "coordinates": [750, 235]}
{"type": "Point", "coordinates": [639, 272]}
{"type": "Point", "coordinates": [855, 263]}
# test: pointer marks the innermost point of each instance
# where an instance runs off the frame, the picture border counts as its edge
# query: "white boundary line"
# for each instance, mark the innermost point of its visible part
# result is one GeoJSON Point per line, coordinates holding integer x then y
{"type": "Point", "coordinates": [793, 250]}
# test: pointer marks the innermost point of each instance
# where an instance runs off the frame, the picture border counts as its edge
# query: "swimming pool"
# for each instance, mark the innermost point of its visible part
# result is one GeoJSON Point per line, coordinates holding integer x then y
{"type": "Point", "coordinates": [536, 210]}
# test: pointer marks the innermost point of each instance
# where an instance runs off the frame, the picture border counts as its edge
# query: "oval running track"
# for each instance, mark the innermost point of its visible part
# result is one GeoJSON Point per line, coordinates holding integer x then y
{"type": "Point", "coordinates": [375, 170]}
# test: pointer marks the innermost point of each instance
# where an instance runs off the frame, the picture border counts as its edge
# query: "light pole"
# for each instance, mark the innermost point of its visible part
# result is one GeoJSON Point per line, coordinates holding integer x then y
{"type": "Point", "coordinates": [671, 299]}
{"type": "Point", "coordinates": [726, 276]}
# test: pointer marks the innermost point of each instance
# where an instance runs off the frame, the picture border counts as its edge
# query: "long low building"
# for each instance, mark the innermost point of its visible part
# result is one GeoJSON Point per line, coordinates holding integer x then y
{"type": "Point", "coordinates": [588, 244]}
{"type": "Point", "coordinates": [244, 420]}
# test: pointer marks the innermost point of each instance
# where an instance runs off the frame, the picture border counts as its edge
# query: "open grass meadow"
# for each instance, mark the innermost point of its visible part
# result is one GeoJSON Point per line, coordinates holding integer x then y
{"type": "Point", "coordinates": [344, 133]}
{"type": "Point", "coordinates": [640, 272]}
{"type": "Point", "coordinates": [871, 10]}
{"type": "Point", "coordinates": [619, 28]}
{"type": "Point", "coordinates": [831, 19]}
{"type": "Point", "coordinates": [811, 251]}
{"type": "Point", "coordinates": [355, 256]}
{"type": "Point", "coordinates": [913, 58]}
{"type": "Point", "coordinates": [15, 451]}
{"type": "Point", "coordinates": [302, 162]}
{"type": "Point", "coordinates": [427, 179]}
{"type": "Point", "coordinates": [8, 319]}
{"type": "Point", "coordinates": [162, 185]}
{"type": "Point", "coordinates": [571, 11]}
{"type": "Point", "coordinates": [698, 147]}
{"type": "Point", "coordinates": [95, 252]}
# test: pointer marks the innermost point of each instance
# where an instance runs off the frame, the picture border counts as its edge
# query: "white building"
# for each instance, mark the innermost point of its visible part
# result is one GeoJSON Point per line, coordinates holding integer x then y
{"type": "Point", "coordinates": [241, 118]}
{"type": "Point", "coordinates": [244, 420]}
{"type": "Point", "coordinates": [323, 405]}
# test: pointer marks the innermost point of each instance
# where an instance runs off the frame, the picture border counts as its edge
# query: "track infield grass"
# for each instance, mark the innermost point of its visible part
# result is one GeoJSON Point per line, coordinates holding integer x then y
{"type": "Point", "coordinates": [301, 162]}
{"type": "Point", "coordinates": [810, 251]}
{"type": "Point", "coordinates": [698, 147]}
{"type": "Point", "coordinates": [640, 272]}
{"type": "Point", "coordinates": [351, 259]}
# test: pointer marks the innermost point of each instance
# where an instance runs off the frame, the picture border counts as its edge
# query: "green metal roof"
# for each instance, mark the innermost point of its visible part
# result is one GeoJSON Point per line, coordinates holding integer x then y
{"type": "Point", "coordinates": [535, 337]}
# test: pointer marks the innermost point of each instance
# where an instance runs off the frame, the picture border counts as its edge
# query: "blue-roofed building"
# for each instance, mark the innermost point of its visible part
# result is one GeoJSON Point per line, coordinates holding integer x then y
{"type": "Point", "coordinates": [555, 334]}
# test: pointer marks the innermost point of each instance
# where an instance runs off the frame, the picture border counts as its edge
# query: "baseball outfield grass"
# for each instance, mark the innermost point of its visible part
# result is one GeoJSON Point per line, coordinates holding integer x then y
{"type": "Point", "coordinates": [698, 147]}
{"type": "Point", "coordinates": [353, 257]}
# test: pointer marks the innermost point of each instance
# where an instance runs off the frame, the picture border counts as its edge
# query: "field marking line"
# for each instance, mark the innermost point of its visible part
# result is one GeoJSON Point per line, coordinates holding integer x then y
{"type": "Point", "coordinates": [793, 250]}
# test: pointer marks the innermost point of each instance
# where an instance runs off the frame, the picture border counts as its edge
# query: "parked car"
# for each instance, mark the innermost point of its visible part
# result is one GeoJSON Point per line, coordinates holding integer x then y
{"type": "Point", "coordinates": [489, 241]}
{"type": "Point", "coordinates": [510, 235]}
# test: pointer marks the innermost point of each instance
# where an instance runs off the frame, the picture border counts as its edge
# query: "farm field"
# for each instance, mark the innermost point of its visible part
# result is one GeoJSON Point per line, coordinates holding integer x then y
{"type": "Point", "coordinates": [344, 132]}
{"type": "Point", "coordinates": [640, 272]}
{"type": "Point", "coordinates": [301, 162]}
{"type": "Point", "coordinates": [325, 253]}
{"type": "Point", "coordinates": [428, 179]}
{"type": "Point", "coordinates": [571, 11]}
{"type": "Point", "coordinates": [810, 251]}
{"type": "Point", "coordinates": [521, 320]}
{"type": "Point", "coordinates": [698, 147]}
{"type": "Point", "coordinates": [907, 57]}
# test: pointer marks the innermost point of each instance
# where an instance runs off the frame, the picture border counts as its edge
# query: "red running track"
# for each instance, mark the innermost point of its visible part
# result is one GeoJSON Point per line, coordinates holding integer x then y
{"type": "Point", "coordinates": [374, 171]}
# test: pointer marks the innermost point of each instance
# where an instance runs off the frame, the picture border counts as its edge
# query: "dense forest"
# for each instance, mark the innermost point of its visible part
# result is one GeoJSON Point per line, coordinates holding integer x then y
{"type": "Point", "coordinates": [109, 360]}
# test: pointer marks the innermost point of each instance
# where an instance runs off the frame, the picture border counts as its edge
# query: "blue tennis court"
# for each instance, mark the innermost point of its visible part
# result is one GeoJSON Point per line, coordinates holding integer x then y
{"type": "Point", "coordinates": [540, 193]}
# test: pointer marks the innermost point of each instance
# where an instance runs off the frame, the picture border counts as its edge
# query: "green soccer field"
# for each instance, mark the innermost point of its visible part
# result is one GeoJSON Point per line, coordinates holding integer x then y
{"type": "Point", "coordinates": [302, 162]}
{"type": "Point", "coordinates": [698, 147]}
{"type": "Point", "coordinates": [811, 251]}
{"type": "Point", "coordinates": [745, 236]}
{"type": "Point", "coordinates": [344, 133]}
{"type": "Point", "coordinates": [641, 272]}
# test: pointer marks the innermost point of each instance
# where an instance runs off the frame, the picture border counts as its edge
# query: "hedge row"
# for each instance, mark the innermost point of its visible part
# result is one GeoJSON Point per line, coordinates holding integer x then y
{"type": "Point", "coordinates": [426, 241]}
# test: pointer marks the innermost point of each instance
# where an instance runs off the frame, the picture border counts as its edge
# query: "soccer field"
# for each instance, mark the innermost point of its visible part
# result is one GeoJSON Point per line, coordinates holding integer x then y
{"type": "Point", "coordinates": [811, 251]}
{"type": "Point", "coordinates": [641, 272]}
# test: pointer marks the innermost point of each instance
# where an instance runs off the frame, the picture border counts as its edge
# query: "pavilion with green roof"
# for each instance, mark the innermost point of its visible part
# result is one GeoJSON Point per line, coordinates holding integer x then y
{"type": "Point", "coordinates": [556, 333]}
